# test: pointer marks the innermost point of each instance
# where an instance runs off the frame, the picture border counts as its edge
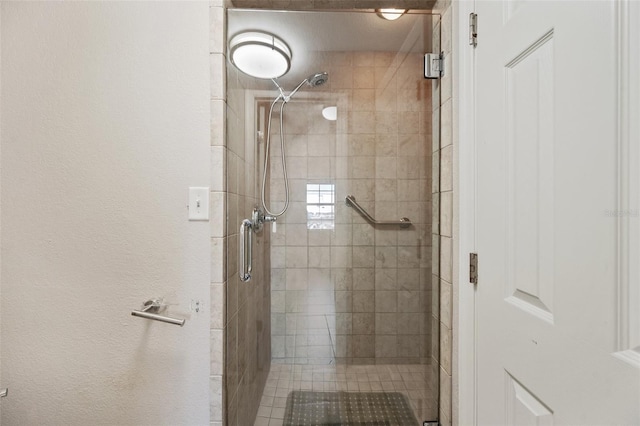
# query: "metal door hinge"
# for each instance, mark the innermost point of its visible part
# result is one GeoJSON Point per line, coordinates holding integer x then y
{"type": "Point", "coordinates": [473, 29]}
{"type": "Point", "coordinates": [473, 268]}
{"type": "Point", "coordinates": [433, 65]}
{"type": "Point", "coordinates": [4, 392]}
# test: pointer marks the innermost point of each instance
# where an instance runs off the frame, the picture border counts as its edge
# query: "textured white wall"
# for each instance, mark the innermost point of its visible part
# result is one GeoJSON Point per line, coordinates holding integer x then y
{"type": "Point", "coordinates": [104, 126]}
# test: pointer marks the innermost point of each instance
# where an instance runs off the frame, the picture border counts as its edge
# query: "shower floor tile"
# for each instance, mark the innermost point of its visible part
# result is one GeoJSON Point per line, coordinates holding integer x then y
{"type": "Point", "coordinates": [408, 379]}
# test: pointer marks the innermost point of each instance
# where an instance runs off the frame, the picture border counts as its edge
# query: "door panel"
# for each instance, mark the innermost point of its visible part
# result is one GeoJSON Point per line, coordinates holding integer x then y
{"type": "Point", "coordinates": [547, 299]}
{"type": "Point", "coordinates": [529, 161]}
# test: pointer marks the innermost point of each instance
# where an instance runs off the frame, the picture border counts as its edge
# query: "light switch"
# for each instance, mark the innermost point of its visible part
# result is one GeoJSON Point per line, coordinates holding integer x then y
{"type": "Point", "coordinates": [198, 203]}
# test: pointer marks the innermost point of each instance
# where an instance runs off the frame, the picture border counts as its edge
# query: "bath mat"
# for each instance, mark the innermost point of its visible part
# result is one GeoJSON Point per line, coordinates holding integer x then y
{"type": "Point", "coordinates": [307, 408]}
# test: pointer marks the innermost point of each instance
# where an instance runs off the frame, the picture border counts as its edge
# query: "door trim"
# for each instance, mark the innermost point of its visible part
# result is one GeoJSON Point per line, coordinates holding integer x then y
{"type": "Point", "coordinates": [628, 182]}
{"type": "Point", "coordinates": [464, 181]}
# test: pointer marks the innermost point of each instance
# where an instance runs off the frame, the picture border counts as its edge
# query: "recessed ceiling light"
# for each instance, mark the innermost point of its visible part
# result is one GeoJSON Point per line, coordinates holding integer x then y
{"type": "Point", "coordinates": [260, 55]}
{"type": "Point", "coordinates": [391, 14]}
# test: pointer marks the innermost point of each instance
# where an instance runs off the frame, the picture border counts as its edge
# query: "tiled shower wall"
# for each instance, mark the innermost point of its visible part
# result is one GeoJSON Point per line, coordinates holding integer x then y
{"type": "Point", "coordinates": [218, 210]}
{"type": "Point", "coordinates": [359, 294]}
{"type": "Point", "coordinates": [240, 324]}
{"type": "Point", "coordinates": [248, 326]}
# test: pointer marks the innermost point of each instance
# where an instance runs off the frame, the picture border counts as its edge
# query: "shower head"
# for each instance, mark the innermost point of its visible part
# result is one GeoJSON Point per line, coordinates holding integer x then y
{"type": "Point", "coordinates": [317, 79]}
{"type": "Point", "coordinates": [314, 80]}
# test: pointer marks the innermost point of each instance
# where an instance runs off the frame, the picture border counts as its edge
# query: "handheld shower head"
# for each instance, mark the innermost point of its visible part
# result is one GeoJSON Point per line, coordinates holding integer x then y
{"type": "Point", "coordinates": [317, 79]}
{"type": "Point", "coordinates": [314, 80]}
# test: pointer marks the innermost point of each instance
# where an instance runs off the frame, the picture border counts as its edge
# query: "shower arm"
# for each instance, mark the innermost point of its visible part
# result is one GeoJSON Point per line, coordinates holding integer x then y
{"type": "Point", "coordinates": [282, 94]}
{"type": "Point", "coordinates": [286, 98]}
{"type": "Point", "coordinates": [293, 92]}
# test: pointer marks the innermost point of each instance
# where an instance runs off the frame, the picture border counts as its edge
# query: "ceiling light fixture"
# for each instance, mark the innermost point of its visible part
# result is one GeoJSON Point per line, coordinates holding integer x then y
{"type": "Point", "coordinates": [260, 55]}
{"type": "Point", "coordinates": [391, 14]}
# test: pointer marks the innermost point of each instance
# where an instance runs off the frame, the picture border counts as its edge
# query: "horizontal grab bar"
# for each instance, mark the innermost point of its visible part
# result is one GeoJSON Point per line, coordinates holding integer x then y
{"type": "Point", "coordinates": [157, 317]}
{"type": "Point", "coordinates": [404, 222]}
{"type": "Point", "coordinates": [154, 305]}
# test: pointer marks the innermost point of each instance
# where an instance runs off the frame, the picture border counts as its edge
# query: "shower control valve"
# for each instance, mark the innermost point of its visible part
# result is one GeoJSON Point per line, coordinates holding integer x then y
{"type": "Point", "coordinates": [270, 218]}
{"type": "Point", "coordinates": [258, 218]}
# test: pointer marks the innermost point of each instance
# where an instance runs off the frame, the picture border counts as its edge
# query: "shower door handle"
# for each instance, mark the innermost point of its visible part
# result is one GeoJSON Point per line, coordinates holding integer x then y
{"type": "Point", "coordinates": [246, 249]}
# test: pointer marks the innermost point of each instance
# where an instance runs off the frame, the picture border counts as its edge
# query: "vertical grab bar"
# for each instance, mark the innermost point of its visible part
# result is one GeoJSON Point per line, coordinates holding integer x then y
{"type": "Point", "coordinates": [245, 262]}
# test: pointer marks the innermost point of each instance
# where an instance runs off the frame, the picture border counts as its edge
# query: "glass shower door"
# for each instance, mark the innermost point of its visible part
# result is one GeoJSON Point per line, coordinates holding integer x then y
{"type": "Point", "coordinates": [354, 303]}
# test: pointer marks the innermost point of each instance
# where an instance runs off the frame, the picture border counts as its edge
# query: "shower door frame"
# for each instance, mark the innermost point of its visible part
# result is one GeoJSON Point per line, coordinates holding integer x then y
{"type": "Point", "coordinates": [252, 96]}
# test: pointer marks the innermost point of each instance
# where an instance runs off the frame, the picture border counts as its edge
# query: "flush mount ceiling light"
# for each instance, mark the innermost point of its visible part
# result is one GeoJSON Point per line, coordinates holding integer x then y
{"type": "Point", "coordinates": [260, 55]}
{"type": "Point", "coordinates": [390, 14]}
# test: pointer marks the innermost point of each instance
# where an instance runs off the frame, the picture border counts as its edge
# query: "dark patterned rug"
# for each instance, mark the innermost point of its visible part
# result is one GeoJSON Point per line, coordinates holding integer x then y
{"type": "Point", "coordinates": [306, 408]}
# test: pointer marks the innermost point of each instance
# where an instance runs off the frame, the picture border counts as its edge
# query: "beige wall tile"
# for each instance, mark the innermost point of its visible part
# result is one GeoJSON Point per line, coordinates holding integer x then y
{"type": "Point", "coordinates": [386, 279]}
{"type": "Point", "coordinates": [215, 397]}
{"type": "Point", "coordinates": [386, 323]}
{"type": "Point", "coordinates": [218, 122]}
{"type": "Point", "coordinates": [295, 258]}
{"type": "Point", "coordinates": [217, 352]}
{"type": "Point", "coordinates": [319, 168]}
{"type": "Point", "coordinates": [363, 346]}
{"type": "Point", "coordinates": [446, 301]}
{"type": "Point", "coordinates": [446, 258]}
{"type": "Point", "coordinates": [363, 323]}
{"type": "Point", "coordinates": [363, 59]}
{"type": "Point", "coordinates": [363, 279]}
{"type": "Point", "coordinates": [446, 169]}
{"type": "Point", "coordinates": [364, 301]}
{"type": "Point", "coordinates": [217, 299]}
{"type": "Point", "coordinates": [217, 30]}
{"type": "Point", "coordinates": [445, 348]}
{"type": "Point", "coordinates": [218, 168]}
{"type": "Point", "coordinates": [341, 257]}
{"type": "Point", "coordinates": [218, 76]}
{"type": "Point", "coordinates": [385, 167]}
{"type": "Point", "coordinates": [296, 235]}
{"type": "Point", "coordinates": [446, 213]}
{"type": "Point", "coordinates": [386, 346]}
{"type": "Point", "coordinates": [217, 208]}
{"type": "Point", "coordinates": [445, 392]}
{"type": "Point", "coordinates": [320, 257]}
{"type": "Point", "coordinates": [296, 279]}
{"type": "Point", "coordinates": [386, 257]}
{"type": "Point", "coordinates": [386, 302]}
{"type": "Point", "coordinates": [364, 76]}
{"type": "Point", "coordinates": [363, 257]}
{"type": "Point", "coordinates": [217, 260]}
{"type": "Point", "coordinates": [446, 126]}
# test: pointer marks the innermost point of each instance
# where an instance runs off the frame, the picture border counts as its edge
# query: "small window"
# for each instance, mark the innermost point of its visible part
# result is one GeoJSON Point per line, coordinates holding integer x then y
{"type": "Point", "coordinates": [320, 206]}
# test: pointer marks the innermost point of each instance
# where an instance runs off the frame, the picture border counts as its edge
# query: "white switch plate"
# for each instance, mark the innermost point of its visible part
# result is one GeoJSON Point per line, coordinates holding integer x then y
{"type": "Point", "coordinates": [198, 203]}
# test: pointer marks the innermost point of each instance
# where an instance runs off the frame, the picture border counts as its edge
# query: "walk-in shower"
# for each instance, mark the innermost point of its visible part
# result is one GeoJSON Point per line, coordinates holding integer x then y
{"type": "Point", "coordinates": [342, 310]}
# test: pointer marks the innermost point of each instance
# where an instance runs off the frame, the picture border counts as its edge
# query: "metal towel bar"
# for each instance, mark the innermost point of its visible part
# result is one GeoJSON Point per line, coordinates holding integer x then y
{"type": "Point", "coordinates": [404, 222]}
{"type": "Point", "coordinates": [149, 309]}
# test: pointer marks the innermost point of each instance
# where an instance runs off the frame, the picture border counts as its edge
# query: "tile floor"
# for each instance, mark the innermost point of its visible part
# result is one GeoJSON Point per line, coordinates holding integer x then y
{"type": "Point", "coordinates": [410, 380]}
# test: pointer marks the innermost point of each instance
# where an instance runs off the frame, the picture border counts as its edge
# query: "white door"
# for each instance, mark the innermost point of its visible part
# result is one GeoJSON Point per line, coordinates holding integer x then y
{"type": "Point", "coordinates": [551, 313]}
